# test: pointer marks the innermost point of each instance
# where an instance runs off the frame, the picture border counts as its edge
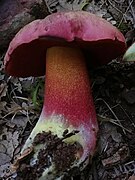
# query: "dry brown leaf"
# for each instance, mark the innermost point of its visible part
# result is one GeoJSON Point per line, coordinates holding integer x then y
{"type": "Point", "coordinates": [3, 90]}
{"type": "Point", "coordinates": [26, 152]}
{"type": "Point", "coordinates": [4, 169]}
{"type": "Point", "coordinates": [117, 157]}
{"type": "Point", "coordinates": [10, 141]}
{"type": "Point", "coordinates": [66, 5]}
{"type": "Point", "coordinates": [4, 158]}
{"type": "Point", "coordinates": [2, 107]}
{"type": "Point", "coordinates": [108, 130]}
{"type": "Point", "coordinates": [132, 177]}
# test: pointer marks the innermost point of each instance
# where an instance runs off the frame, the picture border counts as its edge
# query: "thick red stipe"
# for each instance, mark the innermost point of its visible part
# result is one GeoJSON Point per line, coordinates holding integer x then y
{"type": "Point", "coordinates": [67, 90]}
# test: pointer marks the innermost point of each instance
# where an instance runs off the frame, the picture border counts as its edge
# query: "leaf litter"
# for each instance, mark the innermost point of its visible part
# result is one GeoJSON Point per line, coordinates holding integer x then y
{"type": "Point", "coordinates": [113, 89]}
{"type": "Point", "coordinates": [17, 111]}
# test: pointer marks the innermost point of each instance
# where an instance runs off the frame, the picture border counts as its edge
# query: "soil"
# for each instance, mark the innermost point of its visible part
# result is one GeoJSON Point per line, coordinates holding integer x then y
{"type": "Point", "coordinates": [113, 89]}
{"type": "Point", "coordinates": [54, 150]}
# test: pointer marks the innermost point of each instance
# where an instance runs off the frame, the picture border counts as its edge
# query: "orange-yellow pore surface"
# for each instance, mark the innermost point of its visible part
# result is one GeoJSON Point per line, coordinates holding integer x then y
{"type": "Point", "coordinates": [67, 87]}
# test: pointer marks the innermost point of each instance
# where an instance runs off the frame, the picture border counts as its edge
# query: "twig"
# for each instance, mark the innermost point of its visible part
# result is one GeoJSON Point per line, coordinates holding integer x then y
{"type": "Point", "coordinates": [133, 14]}
{"type": "Point", "coordinates": [113, 121]}
{"type": "Point", "coordinates": [22, 98]}
{"type": "Point", "coordinates": [123, 111]}
{"type": "Point", "coordinates": [48, 7]}
{"type": "Point", "coordinates": [127, 115]}
{"type": "Point", "coordinates": [119, 1]}
{"type": "Point", "coordinates": [115, 7]}
{"type": "Point", "coordinates": [100, 99]}
{"type": "Point", "coordinates": [125, 13]}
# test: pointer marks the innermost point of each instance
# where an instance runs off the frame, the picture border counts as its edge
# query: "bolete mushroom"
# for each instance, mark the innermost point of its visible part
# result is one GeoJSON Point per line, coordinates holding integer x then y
{"type": "Point", "coordinates": [60, 45]}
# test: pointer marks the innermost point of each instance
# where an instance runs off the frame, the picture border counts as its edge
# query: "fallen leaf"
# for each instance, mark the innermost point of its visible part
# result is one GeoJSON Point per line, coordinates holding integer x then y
{"type": "Point", "coordinates": [2, 107]}
{"type": "Point", "coordinates": [26, 152]}
{"type": "Point", "coordinates": [129, 96]}
{"type": "Point", "coordinates": [3, 90]}
{"type": "Point", "coordinates": [4, 169]}
{"type": "Point", "coordinates": [108, 130]}
{"type": "Point", "coordinates": [120, 156]}
{"type": "Point", "coordinates": [66, 5]}
{"type": "Point", "coordinates": [4, 158]}
{"type": "Point", "coordinates": [132, 177]}
{"type": "Point", "coordinates": [2, 148]}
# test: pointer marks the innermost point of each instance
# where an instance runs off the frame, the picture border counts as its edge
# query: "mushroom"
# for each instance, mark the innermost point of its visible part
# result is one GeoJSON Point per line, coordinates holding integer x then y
{"type": "Point", "coordinates": [129, 56]}
{"type": "Point", "coordinates": [61, 45]}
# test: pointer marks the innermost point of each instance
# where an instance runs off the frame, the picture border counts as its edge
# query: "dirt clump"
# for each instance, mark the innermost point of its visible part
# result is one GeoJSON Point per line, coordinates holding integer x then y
{"type": "Point", "coordinates": [54, 151]}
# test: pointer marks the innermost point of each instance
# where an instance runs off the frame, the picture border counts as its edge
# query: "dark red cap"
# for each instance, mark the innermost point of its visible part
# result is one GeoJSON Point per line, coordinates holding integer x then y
{"type": "Point", "coordinates": [95, 36]}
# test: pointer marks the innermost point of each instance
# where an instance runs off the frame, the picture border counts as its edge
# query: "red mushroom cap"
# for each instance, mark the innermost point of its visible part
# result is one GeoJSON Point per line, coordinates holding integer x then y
{"type": "Point", "coordinates": [94, 35]}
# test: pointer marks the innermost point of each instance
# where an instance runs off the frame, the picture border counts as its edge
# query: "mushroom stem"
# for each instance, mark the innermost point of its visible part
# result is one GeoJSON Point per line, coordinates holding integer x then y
{"type": "Point", "coordinates": [67, 90]}
{"type": "Point", "coordinates": [68, 102]}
